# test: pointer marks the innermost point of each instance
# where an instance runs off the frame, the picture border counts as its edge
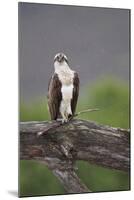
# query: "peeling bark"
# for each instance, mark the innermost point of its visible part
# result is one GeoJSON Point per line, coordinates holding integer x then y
{"type": "Point", "coordinates": [59, 146]}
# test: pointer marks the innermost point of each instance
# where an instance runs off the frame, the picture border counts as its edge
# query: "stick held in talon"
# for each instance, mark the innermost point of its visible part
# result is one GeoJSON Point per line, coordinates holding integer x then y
{"type": "Point", "coordinates": [85, 111]}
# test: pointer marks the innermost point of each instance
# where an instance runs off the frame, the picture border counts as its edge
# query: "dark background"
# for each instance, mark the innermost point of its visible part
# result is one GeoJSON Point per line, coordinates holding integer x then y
{"type": "Point", "coordinates": [96, 41]}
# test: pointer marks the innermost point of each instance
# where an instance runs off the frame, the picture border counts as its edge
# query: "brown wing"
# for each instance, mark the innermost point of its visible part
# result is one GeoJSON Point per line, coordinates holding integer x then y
{"type": "Point", "coordinates": [75, 93]}
{"type": "Point", "coordinates": [54, 96]}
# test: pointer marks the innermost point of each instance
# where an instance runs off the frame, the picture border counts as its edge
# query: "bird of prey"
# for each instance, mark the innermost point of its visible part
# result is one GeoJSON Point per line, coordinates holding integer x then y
{"type": "Point", "coordinates": [63, 90]}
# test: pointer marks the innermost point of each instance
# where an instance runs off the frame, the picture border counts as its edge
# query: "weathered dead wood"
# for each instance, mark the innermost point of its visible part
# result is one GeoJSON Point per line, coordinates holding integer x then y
{"type": "Point", "coordinates": [61, 145]}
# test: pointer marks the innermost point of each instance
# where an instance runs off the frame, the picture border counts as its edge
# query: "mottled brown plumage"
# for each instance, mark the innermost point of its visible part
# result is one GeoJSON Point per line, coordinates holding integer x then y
{"type": "Point", "coordinates": [75, 93]}
{"type": "Point", "coordinates": [54, 96]}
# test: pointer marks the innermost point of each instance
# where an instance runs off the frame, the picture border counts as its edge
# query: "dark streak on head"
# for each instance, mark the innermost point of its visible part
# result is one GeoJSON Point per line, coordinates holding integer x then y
{"type": "Point", "coordinates": [60, 57]}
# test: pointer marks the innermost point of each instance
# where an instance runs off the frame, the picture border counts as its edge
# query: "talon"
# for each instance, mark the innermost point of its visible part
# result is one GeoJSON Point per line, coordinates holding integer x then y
{"type": "Point", "coordinates": [59, 120]}
{"type": "Point", "coordinates": [64, 121]}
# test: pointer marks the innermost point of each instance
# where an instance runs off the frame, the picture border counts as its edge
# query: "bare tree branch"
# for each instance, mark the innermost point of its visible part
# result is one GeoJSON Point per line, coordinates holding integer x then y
{"type": "Point", "coordinates": [61, 145]}
{"type": "Point", "coordinates": [85, 111]}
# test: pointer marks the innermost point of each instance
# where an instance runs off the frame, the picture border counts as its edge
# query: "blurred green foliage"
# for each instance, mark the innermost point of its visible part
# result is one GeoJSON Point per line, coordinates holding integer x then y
{"type": "Point", "coordinates": [111, 96]}
{"type": "Point", "coordinates": [36, 179]}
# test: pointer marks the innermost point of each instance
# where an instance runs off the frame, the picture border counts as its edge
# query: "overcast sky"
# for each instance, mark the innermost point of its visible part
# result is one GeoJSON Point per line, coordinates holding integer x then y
{"type": "Point", "coordinates": [95, 40]}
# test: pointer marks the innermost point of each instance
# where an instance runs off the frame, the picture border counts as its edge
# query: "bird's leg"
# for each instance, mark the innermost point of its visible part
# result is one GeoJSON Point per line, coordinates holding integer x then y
{"type": "Point", "coordinates": [64, 118]}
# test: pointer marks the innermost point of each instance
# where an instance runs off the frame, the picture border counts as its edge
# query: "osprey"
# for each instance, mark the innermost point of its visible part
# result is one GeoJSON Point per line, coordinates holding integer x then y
{"type": "Point", "coordinates": [63, 90]}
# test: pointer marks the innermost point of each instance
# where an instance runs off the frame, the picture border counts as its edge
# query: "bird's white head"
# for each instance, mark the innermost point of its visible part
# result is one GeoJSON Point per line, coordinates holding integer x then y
{"type": "Point", "coordinates": [60, 58]}
{"type": "Point", "coordinates": [61, 62]}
